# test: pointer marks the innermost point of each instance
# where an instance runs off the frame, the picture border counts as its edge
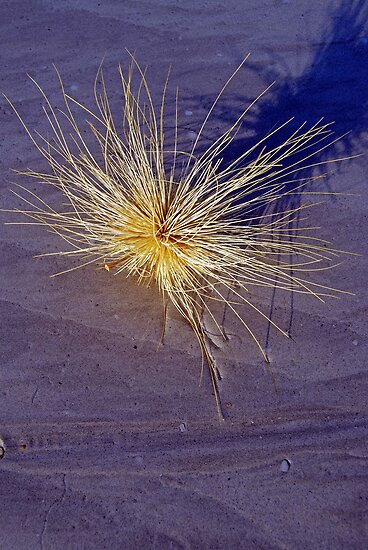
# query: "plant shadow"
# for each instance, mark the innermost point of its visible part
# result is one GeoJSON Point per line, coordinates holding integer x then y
{"type": "Point", "coordinates": [333, 88]}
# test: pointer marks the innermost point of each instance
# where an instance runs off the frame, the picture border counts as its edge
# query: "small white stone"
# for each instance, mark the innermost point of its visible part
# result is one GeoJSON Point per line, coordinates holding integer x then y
{"type": "Point", "coordinates": [188, 113]}
{"type": "Point", "coordinates": [285, 465]}
{"type": "Point", "coordinates": [355, 342]}
{"type": "Point", "coordinates": [74, 87]}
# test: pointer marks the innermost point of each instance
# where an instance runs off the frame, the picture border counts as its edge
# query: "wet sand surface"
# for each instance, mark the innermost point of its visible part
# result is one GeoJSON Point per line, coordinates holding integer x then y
{"type": "Point", "coordinates": [112, 443]}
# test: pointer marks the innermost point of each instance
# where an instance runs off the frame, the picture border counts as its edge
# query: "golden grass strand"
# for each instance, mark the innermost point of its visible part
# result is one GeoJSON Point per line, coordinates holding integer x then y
{"type": "Point", "coordinates": [184, 220]}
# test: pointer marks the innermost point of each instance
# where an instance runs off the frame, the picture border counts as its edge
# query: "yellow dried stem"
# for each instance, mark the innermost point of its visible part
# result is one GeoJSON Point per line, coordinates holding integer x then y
{"type": "Point", "coordinates": [200, 229]}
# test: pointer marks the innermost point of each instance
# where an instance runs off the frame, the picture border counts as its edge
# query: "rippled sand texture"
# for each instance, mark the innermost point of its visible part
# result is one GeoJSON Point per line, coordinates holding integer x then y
{"type": "Point", "coordinates": [109, 443]}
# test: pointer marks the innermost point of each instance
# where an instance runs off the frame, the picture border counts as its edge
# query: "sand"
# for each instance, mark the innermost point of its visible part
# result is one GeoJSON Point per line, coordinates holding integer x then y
{"type": "Point", "coordinates": [111, 443]}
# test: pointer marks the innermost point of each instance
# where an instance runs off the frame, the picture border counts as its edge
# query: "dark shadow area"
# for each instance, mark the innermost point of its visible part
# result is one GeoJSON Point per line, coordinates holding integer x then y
{"type": "Point", "coordinates": [333, 87]}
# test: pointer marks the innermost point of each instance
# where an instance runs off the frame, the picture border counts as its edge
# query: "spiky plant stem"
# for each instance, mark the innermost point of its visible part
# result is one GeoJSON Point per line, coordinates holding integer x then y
{"type": "Point", "coordinates": [197, 227]}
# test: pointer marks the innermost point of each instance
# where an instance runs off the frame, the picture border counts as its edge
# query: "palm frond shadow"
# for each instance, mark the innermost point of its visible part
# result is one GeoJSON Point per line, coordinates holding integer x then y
{"type": "Point", "coordinates": [333, 88]}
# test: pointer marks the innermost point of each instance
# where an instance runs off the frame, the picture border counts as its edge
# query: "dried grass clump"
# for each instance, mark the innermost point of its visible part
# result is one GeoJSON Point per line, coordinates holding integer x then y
{"type": "Point", "coordinates": [201, 229]}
